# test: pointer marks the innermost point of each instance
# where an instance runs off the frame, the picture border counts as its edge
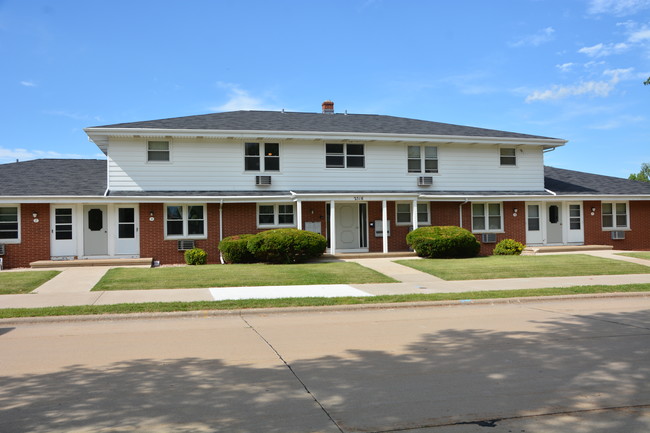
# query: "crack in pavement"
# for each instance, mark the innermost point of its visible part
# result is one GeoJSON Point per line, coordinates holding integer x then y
{"type": "Point", "coordinates": [304, 385]}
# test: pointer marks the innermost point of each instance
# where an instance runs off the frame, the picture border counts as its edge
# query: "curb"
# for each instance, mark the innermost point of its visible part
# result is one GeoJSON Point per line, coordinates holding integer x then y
{"type": "Point", "coordinates": [317, 309]}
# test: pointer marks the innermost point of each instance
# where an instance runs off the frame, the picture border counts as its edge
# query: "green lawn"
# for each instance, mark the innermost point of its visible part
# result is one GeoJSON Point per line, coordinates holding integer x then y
{"type": "Point", "coordinates": [491, 267]}
{"type": "Point", "coordinates": [645, 255]}
{"type": "Point", "coordinates": [183, 277]}
{"type": "Point", "coordinates": [23, 282]}
{"type": "Point", "coordinates": [163, 307]}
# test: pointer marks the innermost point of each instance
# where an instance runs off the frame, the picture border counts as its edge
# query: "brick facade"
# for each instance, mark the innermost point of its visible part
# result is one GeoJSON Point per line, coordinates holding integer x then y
{"type": "Point", "coordinates": [34, 237]}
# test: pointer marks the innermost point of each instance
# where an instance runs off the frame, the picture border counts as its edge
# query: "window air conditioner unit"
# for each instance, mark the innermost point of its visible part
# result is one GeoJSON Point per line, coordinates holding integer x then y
{"type": "Point", "coordinates": [618, 235]}
{"type": "Point", "coordinates": [262, 180]}
{"type": "Point", "coordinates": [425, 180]}
{"type": "Point", "coordinates": [489, 238]}
{"type": "Point", "coordinates": [2, 249]}
{"type": "Point", "coordinates": [185, 244]}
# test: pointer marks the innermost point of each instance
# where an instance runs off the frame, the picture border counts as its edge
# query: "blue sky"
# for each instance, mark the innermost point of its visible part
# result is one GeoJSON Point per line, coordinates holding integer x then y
{"type": "Point", "coordinates": [567, 69]}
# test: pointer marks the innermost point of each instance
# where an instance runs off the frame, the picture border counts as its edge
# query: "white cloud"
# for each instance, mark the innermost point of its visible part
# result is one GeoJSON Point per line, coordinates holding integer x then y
{"type": "Point", "coordinates": [539, 38]}
{"type": "Point", "coordinates": [640, 36]}
{"type": "Point", "coordinates": [11, 155]}
{"type": "Point", "coordinates": [601, 50]}
{"type": "Point", "coordinates": [619, 74]}
{"type": "Point", "coordinates": [565, 67]}
{"type": "Point", "coordinates": [617, 7]}
{"type": "Point", "coordinates": [28, 83]}
{"type": "Point", "coordinates": [74, 116]}
{"type": "Point", "coordinates": [240, 99]}
{"type": "Point", "coordinates": [618, 122]}
{"type": "Point", "coordinates": [594, 88]}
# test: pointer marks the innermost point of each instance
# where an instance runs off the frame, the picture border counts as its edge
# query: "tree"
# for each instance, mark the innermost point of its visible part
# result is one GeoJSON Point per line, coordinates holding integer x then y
{"type": "Point", "coordinates": [643, 175]}
{"type": "Point", "coordinates": [646, 82]}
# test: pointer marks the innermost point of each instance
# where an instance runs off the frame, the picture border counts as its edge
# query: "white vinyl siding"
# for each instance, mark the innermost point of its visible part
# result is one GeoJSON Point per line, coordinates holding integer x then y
{"type": "Point", "coordinates": [615, 216]}
{"type": "Point", "coordinates": [487, 217]}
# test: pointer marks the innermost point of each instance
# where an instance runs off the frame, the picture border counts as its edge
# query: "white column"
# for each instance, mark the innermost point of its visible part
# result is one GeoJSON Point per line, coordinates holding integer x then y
{"type": "Point", "coordinates": [299, 214]}
{"type": "Point", "coordinates": [414, 214]}
{"type": "Point", "coordinates": [384, 225]}
{"type": "Point", "coordinates": [332, 229]}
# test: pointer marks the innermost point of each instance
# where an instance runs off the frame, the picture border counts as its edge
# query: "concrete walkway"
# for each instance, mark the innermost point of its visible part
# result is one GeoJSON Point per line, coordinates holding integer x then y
{"type": "Point", "coordinates": [73, 286]}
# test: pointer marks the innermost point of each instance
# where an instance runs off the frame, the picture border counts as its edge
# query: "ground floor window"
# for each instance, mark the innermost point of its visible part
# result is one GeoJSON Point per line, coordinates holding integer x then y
{"type": "Point", "coordinates": [615, 216]}
{"type": "Point", "coordinates": [185, 221]}
{"type": "Point", "coordinates": [487, 217]}
{"type": "Point", "coordinates": [9, 223]}
{"type": "Point", "coordinates": [275, 215]}
{"type": "Point", "coordinates": [403, 213]}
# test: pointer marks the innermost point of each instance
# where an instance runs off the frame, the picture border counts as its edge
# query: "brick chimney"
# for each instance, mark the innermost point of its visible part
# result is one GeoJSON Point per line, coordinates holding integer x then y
{"type": "Point", "coordinates": [328, 107]}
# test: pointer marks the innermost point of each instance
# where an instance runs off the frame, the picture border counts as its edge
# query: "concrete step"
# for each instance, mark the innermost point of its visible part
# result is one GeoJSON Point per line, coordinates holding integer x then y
{"type": "Point", "coordinates": [531, 251]}
{"type": "Point", "coordinates": [41, 264]}
{"type": "Point", "coordinates": [345, 256]}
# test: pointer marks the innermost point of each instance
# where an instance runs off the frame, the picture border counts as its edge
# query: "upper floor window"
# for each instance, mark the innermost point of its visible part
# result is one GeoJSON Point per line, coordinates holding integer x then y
{"type": "Point", "coordinates": [185, 221]}
{"type": "Point", "coordinates": [508, 156]}
{"type": "Point", "coordinates": [344, 155]}
{"type": "Point", "coordinates": [262, 157]}
{"type": "Point", "coordinates": [486, 217]}
{"type": "Point", "coordinates": [275, 215]}
{"type": "Point", "coordinates": [423, 159]}
{"type": "Point", "coordinates": [403, 211]}
{"type": "Point", "coordinates": [9, 223]}
{"type": "Point", "coordinates": [615, 216]}
{"type": "Point", "coordinates": [158, 151]}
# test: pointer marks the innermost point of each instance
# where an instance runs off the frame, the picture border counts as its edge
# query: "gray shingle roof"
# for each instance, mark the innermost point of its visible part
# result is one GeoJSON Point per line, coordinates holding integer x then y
{"type": "Point", "coordinates": [569, 182]}
{"type": "Point", "coordinates": [316, 122]}
{"type": "Point", "coordinates": [65, 177]}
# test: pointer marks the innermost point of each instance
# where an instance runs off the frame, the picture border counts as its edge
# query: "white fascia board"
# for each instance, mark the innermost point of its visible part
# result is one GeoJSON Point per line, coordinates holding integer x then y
{"type": "Point", "coordinates": [540, 198]}
{"type": "Point", "coordinates": [100, 135]}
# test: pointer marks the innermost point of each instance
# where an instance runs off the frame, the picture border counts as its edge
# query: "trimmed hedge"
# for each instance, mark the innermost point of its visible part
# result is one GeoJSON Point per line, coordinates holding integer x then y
{"type": "Point", "coordinates": [287, 246]}
{"type": "Point", "coordinates": [196, 256]}
{"type": "Point", "coordinates": [508, 247]}
{"type": "Point", "coordinates": [235, 249]}
{"type": "Point", "coordinates": [443, 242]}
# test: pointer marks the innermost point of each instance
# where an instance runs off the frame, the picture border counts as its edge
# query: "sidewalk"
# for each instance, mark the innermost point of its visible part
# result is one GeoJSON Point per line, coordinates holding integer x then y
{"type": "Point", "coordinates": [72, 286]}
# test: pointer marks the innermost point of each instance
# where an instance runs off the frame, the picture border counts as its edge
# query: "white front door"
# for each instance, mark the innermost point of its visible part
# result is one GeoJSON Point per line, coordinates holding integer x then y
{"type": "Point", "coordinates": [534, 232]}
{"type": "Point", "coordinates": [63, 239]}
{"type": "Point", "coordinates": [576, 231]}
{"type": "Point", "coordinates": [347, 226]}
{"type": "Point", "coordinates": [127, 241]}
{"type": "Point", "coordinates": [554, 223]}
{"type": "Point", "coordinates": [95, 230]}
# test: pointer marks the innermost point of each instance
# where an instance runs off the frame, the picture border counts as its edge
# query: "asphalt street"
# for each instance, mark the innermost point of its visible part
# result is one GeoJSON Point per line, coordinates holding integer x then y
{"type": "Point", "coordinates": [553, 366]}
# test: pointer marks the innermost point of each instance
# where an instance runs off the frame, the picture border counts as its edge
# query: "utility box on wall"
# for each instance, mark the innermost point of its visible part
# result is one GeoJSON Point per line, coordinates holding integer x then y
{"type": "Point", "coordinates": [313, 227]}
{"type": "Point", "coordinates": [379, 230]}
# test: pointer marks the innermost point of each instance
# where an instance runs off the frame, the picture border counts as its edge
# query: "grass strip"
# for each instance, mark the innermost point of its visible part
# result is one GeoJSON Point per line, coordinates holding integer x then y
{"type": "Point", "coordinates": [183, 277]}
{"type": "Point", "coordinates": [163, 307]}
{"type": "Point", "coordinates": [644, 255]}
{"type": "Point", "coordinates": [492, 267]}
{"type": "Point", "coordinates": [12, 283]}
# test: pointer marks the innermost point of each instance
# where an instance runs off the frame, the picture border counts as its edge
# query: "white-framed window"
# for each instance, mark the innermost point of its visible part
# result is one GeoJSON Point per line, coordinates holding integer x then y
{"type": "Point", "coordinates": [508, 157]}
{"type": "Point", "coordinates": [276, 215]}
{"type": "Point", "coordinates": [158, 151]}
{"type": "Point", "coordinates": [339, 155]}
{"type": "Point", "coordinates": [9, 224]}
{"type": "Point", "coordinates": [615, 216]}
{"type": "Point", "coordinates": [262, 156]}
{"type": "Point", "coordinates": [487, 217]}
{"type": "Point", "coordinates": [403, 214]}
{"type": "Point", "coordinates": [422, 159]}
{"type": "Point", "coordinates": [185, 221]}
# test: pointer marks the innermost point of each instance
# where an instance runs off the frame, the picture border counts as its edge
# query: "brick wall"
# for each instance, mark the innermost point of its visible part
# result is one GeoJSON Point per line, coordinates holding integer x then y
{"type": "Point", "coordinates": [35, 237]}
{"type": "Point", "coordinates": [638, 238]}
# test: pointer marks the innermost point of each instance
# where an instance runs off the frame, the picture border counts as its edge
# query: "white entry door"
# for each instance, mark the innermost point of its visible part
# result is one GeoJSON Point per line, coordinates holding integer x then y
{"type": "Point", "coordinates": [127, 242]}
{"type": "Point", "coordinates": [95, 230]}
{"type": "Point", "coordinates": [576, 231]}
{"type": "Point", "coordinates": [554, 223]}
{"type": "Point", "coordinates": [534, 232]}
{"type": "Point", "coordinates": [63, 239]}
{"type": "Point", "coordinates": [347, 226]}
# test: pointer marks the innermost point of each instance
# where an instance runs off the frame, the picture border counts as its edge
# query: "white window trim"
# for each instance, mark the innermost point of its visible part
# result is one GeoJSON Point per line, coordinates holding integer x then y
{"type": "Point", "coordinates": [487, 230]}
{"type": "Point", "coordinates": [410, 222]}
{"type": "Point", "coordinates": [515, 156]}
{"type": "Point", "coordinates": [275, 223]}
{"type": "Point", "coordinates": [627, 215]}
{"type": "Point", "coordinates": [262, 145]}
{"type": "Point", "coordinates": [18, 239]}
{"type": "Point", "coordinates": [146, 151]}
{"type": "Point", "coordinates": [422, 171]}
{"type": "Point", "coordinates": [345, 156]}
{"type": "Point", "coordinates": [185, 235]}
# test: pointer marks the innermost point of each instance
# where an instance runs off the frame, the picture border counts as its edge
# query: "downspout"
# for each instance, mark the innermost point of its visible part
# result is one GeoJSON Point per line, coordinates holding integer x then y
{"type": "Point", "coordinates": [460, 211]}
{"type": "Point", "coordinates": [223, 262]}
{"type": "Point", "coordinates": [107, 176]}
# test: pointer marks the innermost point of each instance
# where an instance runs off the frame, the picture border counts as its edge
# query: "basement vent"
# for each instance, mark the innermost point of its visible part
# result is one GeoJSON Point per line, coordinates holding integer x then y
{"type": "Point", "coordinates": [489, 238]}
{"type": "Point", "coordinates": [618, 235]}
{"type": "Point", "coordinates": [2, 249]}
{"type": "Point", "coordinates": [185, 244]}
{"type": "Point", "coordinates": [425, 181]}
{"type": "Point", "coordinates": [262, 180]}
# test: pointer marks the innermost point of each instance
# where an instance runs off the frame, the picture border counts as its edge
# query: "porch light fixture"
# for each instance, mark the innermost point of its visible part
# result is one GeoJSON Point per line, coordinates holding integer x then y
{"type": "Point", "coordinates": [151, 218]}
{"type": "Point", "coordinates": [593, 211]}
{"type": "Point", "coordinates": [514, 212]}
{"type": "Point", "coordinates": [35, 215]}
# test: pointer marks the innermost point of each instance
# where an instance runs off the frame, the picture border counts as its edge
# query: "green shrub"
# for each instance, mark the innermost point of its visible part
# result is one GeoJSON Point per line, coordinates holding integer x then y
{"type": "Point", "coordinates": [286, 246]}
{"type": "Point", "coordinates": [508, 247]}
{"type": "Point", "coordinates": [196, 256]}
{"type": "Point", "coordinates": [235, 249]}
{"type": "Point", "coordinates": [443, 242]}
